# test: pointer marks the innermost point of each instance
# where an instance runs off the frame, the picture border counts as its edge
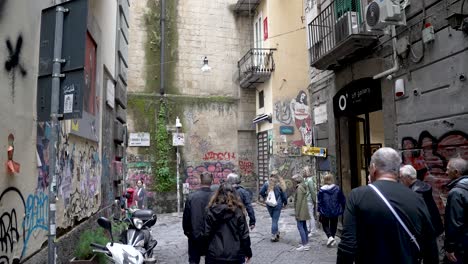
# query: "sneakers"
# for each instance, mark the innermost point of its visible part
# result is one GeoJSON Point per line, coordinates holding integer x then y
{"type": "Point", "coordinates": [333, 243]}
{"type": "Point", "coordinates": [274, 238]}
{"type": "Point", "coordinates": [330, 241]}
{"type": "Point", "coordinates": [303, 248]}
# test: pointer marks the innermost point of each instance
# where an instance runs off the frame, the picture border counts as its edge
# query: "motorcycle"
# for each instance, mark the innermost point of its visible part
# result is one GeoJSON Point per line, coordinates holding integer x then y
{"type": "Point", "coordinates": [136, 243]}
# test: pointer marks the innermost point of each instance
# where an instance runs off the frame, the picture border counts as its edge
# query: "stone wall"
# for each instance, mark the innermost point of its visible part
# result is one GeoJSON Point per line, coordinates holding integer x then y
{"type": "Point", "coordinates": [214, 112]}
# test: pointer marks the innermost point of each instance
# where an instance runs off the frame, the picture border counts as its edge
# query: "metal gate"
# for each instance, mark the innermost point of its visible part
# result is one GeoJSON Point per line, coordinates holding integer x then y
{"type": "Point", "coordinates": [263, 158]}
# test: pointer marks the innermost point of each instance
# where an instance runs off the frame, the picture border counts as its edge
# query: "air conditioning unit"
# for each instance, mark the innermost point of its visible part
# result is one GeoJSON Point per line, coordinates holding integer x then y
{"type": "Point", "coordinates": [346, 25]}
{"type": "Point", "coordinates": [382, 13]}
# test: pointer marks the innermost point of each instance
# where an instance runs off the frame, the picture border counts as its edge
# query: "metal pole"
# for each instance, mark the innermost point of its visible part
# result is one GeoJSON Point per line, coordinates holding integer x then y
{"type": "Point", "coordinates": [162, 23]}
{"type": "Point", "coordinates": [54, 114]}
{"type": "Point", "coordinates": [178, 185]}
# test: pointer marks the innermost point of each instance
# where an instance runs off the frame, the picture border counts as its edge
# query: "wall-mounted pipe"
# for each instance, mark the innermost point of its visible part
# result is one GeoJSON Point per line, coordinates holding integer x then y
{"type": "Point", "coordinates": [396, 65]}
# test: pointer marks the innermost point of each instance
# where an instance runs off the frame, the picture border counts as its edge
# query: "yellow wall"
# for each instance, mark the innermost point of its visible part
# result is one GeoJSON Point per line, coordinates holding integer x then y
{"type": "Point", "coordinates": [286, 33]}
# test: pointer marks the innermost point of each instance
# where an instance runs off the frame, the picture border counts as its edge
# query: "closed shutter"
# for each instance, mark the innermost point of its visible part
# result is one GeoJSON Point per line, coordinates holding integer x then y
{"type": "Point", "coordinates": [263, 157]}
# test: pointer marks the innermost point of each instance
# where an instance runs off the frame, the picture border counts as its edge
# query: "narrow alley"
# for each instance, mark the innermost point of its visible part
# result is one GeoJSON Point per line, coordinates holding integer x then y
{"type": "Point", "coordinates": [172, 244]}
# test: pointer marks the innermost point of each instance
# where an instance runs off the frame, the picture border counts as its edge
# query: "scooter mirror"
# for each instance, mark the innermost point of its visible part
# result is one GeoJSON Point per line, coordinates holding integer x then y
{"type": "Point", "coordinates": [106, 224]}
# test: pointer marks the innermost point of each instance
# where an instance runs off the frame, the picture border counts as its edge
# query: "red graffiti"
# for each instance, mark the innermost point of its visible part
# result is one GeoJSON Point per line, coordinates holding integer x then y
{"type": "Point", "coordinates": [246, 167]}
{"type": "Point", "coordinates": [429, 156]}
{"type": "Point", "coordinates": [219, 171]}
{"type": "Point", "coordinates": [219, 156]}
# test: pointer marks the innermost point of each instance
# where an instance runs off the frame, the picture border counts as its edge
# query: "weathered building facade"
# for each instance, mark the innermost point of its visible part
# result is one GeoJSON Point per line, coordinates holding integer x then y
{"type": "Point", "coordinates": [233, 114]}
{"type": "Point", "coordinates": [417, 108]}
{"type": "Point", "coordinates": [88, 166]}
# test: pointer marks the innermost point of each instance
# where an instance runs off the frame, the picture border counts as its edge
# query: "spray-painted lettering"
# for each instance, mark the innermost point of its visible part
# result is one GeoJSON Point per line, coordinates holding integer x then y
{"type": "Point", "coordinates": [219, 156]}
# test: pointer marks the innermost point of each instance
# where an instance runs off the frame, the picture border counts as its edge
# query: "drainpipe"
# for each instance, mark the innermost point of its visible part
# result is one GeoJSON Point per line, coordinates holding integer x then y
{"type": "Point", "coordinates": [163, 27]}
{"type": "Point", "coordinates": [396, 65]}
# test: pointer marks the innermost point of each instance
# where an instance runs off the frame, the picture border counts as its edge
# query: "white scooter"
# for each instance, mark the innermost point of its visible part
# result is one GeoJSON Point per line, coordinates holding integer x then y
{"type": "Point", "coordinates": [119, 253]}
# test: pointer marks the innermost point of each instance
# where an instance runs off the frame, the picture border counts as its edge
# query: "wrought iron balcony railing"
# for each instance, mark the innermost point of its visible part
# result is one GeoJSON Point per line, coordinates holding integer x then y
{"type": "Point", "coordinates": [255, 67]}
{"type": "Point", "coordinates": [337, 33]}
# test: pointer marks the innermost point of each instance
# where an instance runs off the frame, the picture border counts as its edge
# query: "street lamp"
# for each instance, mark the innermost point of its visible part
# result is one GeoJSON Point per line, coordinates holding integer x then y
{"type": "Point", "coordinates": [178, 126]}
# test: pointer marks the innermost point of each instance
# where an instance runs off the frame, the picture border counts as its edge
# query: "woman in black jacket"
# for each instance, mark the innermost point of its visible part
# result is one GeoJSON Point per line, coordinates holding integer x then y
{"type": "Point", "coordinates": [226, 229]}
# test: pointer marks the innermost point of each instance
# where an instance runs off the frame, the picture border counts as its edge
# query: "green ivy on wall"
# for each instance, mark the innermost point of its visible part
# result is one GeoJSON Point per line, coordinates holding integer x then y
{"type": "Point", "coordinates": [165, 178]}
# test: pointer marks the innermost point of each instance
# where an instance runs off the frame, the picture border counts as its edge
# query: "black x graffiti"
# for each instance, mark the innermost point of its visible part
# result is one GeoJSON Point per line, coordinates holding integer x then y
{"type": "Point", "coordinates": [14, 56]}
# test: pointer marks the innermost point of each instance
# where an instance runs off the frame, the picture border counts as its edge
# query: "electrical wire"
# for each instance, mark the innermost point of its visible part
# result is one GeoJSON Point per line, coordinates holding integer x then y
{"type": "Point", "coordinates": [413, 57]}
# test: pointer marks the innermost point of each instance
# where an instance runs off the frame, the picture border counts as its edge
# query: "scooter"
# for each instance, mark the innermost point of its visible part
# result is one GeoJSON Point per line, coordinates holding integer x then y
{"type": "Point", "coordinates": [138, 247]}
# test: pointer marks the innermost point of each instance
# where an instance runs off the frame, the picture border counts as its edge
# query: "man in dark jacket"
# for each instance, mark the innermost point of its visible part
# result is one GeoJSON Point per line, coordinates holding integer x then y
{"type": "Point", "coordinates": [193, 221]}
{"type": "Point", "coordinates": [456, 215]}
{"type": "Point", "coordinates": [408, 176]}
{"type": "Point", "coordinates": [372, 234]}
{"type": "Point", "coordinates": [244, 195]}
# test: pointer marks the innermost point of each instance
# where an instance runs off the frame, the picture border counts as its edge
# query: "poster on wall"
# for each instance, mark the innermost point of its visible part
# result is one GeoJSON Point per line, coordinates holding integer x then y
{"type": "Point", "coordinates": [320, 114]}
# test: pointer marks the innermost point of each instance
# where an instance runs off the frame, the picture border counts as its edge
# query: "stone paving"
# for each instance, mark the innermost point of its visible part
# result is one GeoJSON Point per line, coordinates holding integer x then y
{"type": "Point", "coordinates": [172, 243]}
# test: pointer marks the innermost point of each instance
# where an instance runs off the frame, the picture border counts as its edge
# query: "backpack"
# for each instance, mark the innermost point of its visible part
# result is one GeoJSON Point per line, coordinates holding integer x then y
{"type": "Point", "coordinates": [271, 199]}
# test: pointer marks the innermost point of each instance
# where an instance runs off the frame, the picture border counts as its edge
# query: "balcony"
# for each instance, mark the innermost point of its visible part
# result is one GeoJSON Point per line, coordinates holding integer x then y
{"type": "Point", "coordinates": [338, 35]}
{"type": "Point", "coordinates": [245, 7]}
{"type": "Point", "coordinates": [255, 67]}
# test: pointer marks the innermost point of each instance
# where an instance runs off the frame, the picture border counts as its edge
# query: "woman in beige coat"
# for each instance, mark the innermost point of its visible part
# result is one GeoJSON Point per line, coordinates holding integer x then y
{"type": "Point", "coordinates": [302, 211]}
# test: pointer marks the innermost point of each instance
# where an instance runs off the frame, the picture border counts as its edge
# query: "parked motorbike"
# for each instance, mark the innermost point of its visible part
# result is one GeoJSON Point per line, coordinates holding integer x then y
{"type": "Point", "coordinates": [136, 245]}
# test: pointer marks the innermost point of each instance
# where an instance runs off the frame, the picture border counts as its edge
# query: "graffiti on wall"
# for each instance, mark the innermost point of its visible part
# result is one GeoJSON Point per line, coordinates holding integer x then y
{"type": "Point", "coordinates": [78, 172]}
{"type": "Point", "coordinates": [429, 156]}
{"type": "Point", "coordinates": [198, 143]}
{"type": "Point", "coordinates": [140, 171]}
{"type": "Point", "coordinates": [301, 115]}
{"type": "Point", "coordinates": [283, 112]}
{"type": "Point", "coordinates": [20, 221]}
{"type": "Point", "coordinates": [219, 169]}
{"type": "Point", "coordinates": [287, 167]}
{"type": "Point", "coordinates": [13, 63]}
{"type": "Point", "coordinates": [219, 156]}
{"type": "Point", "coordinates": [296, 111]}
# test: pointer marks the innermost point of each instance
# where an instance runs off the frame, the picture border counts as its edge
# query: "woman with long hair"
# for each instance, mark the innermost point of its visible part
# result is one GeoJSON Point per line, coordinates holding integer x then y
{"type": "Point", "coordinates": [331, 203]}
{"type": "Point", "coordinates": [226, 228]}
{"type": "Point", "coordinates": [277, 187]}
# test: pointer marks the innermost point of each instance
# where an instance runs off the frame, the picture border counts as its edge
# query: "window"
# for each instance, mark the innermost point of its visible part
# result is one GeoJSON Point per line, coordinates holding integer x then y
{"type": "Point", "coordinates": [261, 100]}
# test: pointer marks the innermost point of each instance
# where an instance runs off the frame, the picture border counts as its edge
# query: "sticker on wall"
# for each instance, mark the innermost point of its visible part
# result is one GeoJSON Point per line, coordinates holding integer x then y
{"type": "Point", "coordinates": [12, 166]}
{"type": "Point", "coordinates": [286, 130]}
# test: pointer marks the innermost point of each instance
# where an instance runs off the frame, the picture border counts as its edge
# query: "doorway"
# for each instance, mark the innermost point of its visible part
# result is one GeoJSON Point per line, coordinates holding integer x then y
{"type": "Point", "coordinates": [358, 110]}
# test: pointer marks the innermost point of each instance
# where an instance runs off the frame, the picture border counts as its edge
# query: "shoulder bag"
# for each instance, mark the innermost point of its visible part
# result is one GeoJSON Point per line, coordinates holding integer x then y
{"type": "Point", "coordinates": [412, 237]}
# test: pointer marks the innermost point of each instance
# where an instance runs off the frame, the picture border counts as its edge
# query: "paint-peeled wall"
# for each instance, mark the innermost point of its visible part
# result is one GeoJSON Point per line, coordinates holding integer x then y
{"type": "Point", "coordinates": [25, 179]}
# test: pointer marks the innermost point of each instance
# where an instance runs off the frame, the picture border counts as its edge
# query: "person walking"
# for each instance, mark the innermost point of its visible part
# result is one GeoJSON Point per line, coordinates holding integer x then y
{"type": "Point", "coordinates": [386, 222]}
{"type": "Point", "coordinates": [331, 202]}
{"type": "Point", "coordinates": [193, 221]}
{"type": "Point", "coordinates": [301, 211]}
{"type": "Point", "coordinates": [226, 228]}
{"type": "Point", "coordinates": [273, 191]}
{"type": "Point", "coordinates": [456, 214]}
{"type": "Point", "coordinates": [408, 176]}
{"type": "Point", "coordinates": [311, 197]}
{"type": "Point", "coordinates": [140, 195]}
{"type": "Point", "coordinates": [244, 195]}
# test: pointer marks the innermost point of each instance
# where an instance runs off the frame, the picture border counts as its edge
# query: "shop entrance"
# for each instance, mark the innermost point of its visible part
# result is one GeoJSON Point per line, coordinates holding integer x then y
{"type": "Point", "coordinates": [358, 109]}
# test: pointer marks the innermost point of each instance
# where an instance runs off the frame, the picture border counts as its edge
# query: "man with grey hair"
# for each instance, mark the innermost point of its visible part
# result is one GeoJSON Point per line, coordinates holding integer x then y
{"type": "Point", "coordinates": [408, 176]}
{"type": "Point", "coordinates": [372, 233]}
{"type": "Point", "coordinates": [244, 195]}
{"type": "Point", "coordinates": [456, 215]}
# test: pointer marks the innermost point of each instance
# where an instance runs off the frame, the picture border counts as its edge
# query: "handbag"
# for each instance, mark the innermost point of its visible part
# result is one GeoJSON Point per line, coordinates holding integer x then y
{"type": "Point", "coordinates": [412, 237]}
{"type": "Point", "coordinates": [271, 199]}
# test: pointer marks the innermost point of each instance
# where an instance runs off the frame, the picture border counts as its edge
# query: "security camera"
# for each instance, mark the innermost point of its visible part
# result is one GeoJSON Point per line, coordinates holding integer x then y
{"type": "Point", "coordinates": [390, 77]}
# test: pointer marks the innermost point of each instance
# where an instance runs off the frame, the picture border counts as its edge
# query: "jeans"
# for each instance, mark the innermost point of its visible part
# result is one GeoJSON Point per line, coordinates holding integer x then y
{"type": "Point", "coordinates": [329, 225]}
{"type": "Point", "coordinates": [302, 227]}
{"type": "Point", "coordinates": [275, 213]}
{"type": "Point", "coordinates": [310, 205]}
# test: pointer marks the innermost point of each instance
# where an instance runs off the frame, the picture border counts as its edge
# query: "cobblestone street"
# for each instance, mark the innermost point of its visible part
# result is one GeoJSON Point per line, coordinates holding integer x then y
{"type": "Point", "coordinates": [172, 244]}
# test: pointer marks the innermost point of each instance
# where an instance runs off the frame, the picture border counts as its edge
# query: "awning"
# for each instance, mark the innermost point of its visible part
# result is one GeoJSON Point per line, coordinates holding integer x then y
{"type": "Point", "coordinates": [262, 118]}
